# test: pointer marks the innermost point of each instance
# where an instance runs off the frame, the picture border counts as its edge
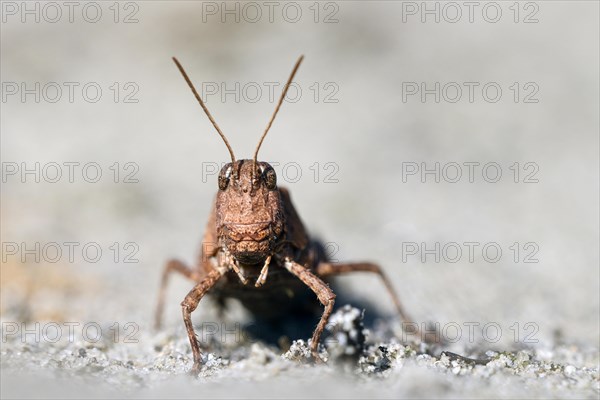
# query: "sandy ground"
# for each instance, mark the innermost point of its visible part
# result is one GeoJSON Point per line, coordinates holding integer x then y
{"type": "Point", "coordinates": [530, 319]}
{"type": "Point", "coordinates": [157, 366]}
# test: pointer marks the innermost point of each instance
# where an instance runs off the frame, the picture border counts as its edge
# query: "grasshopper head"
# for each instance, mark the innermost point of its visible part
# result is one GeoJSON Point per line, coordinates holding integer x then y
{"type": "Point", "coordinates": [250, 213]}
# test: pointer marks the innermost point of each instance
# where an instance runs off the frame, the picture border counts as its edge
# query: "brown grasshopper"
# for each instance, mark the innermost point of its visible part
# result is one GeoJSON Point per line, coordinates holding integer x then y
{"type": "Point", "coordinates": [255, 229]}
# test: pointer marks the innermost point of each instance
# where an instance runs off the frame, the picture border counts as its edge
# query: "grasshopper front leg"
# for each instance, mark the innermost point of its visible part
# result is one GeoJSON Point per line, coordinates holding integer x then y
{"type": "Point", "coordinates": [324, 294]}
{"type": "Point", "coordinates": [190, 303]}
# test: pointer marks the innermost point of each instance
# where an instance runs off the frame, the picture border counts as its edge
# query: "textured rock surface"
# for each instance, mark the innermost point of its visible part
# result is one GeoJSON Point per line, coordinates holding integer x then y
{"type": "Point", "coordinates": [159, 364]}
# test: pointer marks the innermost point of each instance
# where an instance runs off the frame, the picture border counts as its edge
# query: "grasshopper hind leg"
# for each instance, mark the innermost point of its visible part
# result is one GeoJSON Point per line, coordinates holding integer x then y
{"type": "Point", "coordinates": [327, 269]}
{"type": "Point", "coordinates": [172, 266]}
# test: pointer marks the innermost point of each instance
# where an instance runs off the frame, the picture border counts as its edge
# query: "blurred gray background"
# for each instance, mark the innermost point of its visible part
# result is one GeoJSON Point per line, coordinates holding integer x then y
{"type": "Point", "coordinates": [361, 58]}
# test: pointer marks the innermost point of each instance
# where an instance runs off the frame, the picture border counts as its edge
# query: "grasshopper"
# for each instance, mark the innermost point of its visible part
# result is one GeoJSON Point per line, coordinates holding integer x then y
{"type": "Point", "coordinates": [261, 252]}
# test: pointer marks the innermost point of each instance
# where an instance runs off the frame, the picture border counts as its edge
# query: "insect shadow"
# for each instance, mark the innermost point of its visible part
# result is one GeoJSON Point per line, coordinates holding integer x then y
{"type": "Point", "coordinates": [304, 315]}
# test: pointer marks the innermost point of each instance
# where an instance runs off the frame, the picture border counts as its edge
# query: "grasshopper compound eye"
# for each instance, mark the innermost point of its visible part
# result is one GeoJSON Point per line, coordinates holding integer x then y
{"type": "Point", "coordinates": [224, 176]}
{"type": "Point", "coordinates": [268, 174]}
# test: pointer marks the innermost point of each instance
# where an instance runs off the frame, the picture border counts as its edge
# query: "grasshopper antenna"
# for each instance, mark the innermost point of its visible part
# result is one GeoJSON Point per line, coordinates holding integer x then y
{"type": "Point", "coordinates": [191, 85]}
{"type": "Point", "coordinates": [285, 89]}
